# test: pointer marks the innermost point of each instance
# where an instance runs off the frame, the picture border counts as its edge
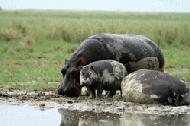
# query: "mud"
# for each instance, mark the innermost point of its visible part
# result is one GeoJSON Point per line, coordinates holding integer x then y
{"type": "Point", "coordinates": [115, 105]}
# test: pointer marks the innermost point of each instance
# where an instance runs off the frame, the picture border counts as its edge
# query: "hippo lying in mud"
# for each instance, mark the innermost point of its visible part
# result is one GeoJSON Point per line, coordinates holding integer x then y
{"type": "Point", "coordinates": [102, 75]}
{"type": "Point", "coordinates": [149, 86]}
{"type": "Point", "coordinates": [134, 51]}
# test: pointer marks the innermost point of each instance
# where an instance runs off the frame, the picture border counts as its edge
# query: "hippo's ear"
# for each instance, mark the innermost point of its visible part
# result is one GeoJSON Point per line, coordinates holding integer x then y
{"type": "Point", "coordinates": [81, 61]}
{"type": "Point", "coordinates": [80, 67]}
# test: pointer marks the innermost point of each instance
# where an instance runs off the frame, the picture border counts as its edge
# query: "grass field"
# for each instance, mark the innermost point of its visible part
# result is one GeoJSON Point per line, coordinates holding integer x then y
{"type": "Point", "coordinates": [34, 44]}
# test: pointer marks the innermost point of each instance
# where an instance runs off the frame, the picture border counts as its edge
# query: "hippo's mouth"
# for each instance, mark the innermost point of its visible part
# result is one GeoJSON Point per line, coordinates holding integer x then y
{"type": "Point", "coordinates": [74, 90]}
{"type": "Point", "coordinates": [71, 83]}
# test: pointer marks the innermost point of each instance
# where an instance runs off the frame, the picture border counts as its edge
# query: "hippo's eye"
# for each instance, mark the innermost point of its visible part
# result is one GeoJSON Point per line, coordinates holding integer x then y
{"type": "Point", "coordinates": [90, 73]}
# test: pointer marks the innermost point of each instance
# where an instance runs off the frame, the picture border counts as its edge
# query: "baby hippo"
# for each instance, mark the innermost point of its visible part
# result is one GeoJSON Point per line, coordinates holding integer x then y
{"type": "Point", "coordinates": [102, 75]}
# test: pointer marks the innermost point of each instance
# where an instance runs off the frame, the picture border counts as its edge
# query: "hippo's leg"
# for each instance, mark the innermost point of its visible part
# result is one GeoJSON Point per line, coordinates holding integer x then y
{"type": "Point", "coordinates": [99, 91]}
{"type": "Point", "coordinates": [92, 93]}
{"type": "Point", "coordinates": [120, 93]}
{"type": "Point", "coordinates": [112, 92]}
{"type": "Point", "coordinates": [88, 91]}
{"type": "Point", "coordinates": [178, 100]}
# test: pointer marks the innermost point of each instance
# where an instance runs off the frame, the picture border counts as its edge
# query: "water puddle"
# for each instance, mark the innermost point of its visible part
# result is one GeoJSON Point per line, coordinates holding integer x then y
{"type": "Point", "coordinates": [12, 115]}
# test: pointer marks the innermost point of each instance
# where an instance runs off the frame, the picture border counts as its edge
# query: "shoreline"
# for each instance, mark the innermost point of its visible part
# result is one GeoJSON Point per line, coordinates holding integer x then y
{"type": "Point", "coordinates": [47, 100]}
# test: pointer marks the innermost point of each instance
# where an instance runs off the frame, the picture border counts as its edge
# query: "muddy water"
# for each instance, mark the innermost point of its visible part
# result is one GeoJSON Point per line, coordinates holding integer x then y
{"type": "Point", "coordinates": [11, 115]}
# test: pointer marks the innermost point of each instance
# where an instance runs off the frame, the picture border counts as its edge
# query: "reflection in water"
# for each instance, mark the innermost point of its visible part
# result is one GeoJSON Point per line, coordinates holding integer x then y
{"type": "Point", "coordinates": [154, 120]}
{"type": "Point", "coordinates": [74, 118]}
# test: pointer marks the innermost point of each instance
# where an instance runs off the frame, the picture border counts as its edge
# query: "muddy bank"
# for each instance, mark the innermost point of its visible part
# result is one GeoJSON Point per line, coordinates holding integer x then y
{"type": "Point", "coordinates": [45, 100]}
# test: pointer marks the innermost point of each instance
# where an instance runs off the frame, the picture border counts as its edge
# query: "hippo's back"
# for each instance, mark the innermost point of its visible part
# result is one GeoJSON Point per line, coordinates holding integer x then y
{"type": "Point", "coordinates": [149, 86]}
{"type": "Point", "coordinates": [110, 65]}
{"type": "Point", "coordinates": [130, 48]}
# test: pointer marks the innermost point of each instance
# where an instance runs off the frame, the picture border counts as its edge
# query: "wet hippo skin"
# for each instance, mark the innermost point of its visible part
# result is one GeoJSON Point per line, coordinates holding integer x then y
{"type": "Point", "coordinates": [133, 51]}
{"type": "Point", "coordinates": [149, 86]}
{"type": "Point", "coordinates": [102, 75]}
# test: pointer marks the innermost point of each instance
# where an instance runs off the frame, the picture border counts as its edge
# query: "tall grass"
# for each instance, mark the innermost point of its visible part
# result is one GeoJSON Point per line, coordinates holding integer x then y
{"type": "Point", "coordinates": [163, 28]}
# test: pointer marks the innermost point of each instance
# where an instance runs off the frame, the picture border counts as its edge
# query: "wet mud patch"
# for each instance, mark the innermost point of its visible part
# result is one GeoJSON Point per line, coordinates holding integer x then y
{"type": "Point", "coordinates": [120, 107]}
{"type": "Point", "coordinates": [45, 100]}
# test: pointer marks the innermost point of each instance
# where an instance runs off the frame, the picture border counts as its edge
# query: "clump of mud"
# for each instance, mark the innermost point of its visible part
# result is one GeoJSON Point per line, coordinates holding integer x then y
{"type": "Point", "coordinates": [116, 105]}
{"type": "Point", "coordinates": [26, 95]}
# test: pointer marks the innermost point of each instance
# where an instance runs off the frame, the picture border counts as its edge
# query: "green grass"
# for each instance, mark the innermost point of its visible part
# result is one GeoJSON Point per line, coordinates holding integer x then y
{"type": "Point", "coordinates": [36, 64]}
{"type": "Point", "coordinates": [35, 44]}
{"type": "Point", "coordinates": [177, 61]}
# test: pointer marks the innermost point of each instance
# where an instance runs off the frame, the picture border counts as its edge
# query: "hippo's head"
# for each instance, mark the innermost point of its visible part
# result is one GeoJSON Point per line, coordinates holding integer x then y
{"type": "Point", "coordinates": [70, 86]}
{"type": "Point", "coordinates": [87, 75]}
{"type": "Point", "coordinates": [186, 98]}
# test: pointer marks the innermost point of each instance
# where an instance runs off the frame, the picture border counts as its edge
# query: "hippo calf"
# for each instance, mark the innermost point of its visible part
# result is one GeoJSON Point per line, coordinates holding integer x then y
{"type": "Point", "coordinates": [149, 86]}
{"type": "Point", "coordinates": [102, 75]}
{"type": "Point", "coordinates": [133, 51]}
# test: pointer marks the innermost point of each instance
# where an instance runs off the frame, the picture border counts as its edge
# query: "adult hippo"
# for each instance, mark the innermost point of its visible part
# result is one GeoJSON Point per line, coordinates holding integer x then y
{"type": "Point", "coordinates": [150, 86]}
{"type": "Point", "coordinates": [134, 51]}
